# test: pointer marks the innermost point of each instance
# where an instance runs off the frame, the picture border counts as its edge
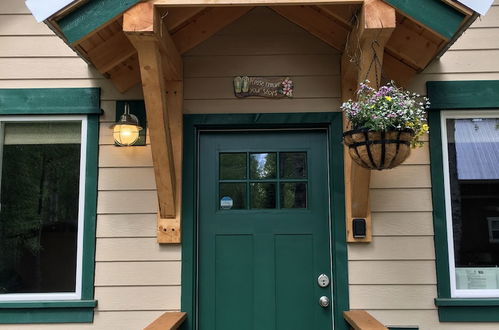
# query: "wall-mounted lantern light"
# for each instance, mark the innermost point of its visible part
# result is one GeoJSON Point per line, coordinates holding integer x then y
{"type": "Point", "coordinates": [126, 131]}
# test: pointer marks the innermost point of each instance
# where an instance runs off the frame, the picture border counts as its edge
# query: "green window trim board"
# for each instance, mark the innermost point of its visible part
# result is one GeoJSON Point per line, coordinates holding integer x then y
{"type": "Point", "coordinates": [330, 121]}
{"type": "Point", "coordinates": [454, 95]}
{"type": "Point", "coordinates": [62, 101]}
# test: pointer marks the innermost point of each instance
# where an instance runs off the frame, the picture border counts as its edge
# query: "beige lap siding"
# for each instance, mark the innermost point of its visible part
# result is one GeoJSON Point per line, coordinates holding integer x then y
{"type": "Point", "coordinates": [136, 279]}
{"type": "Point", "coordinates": [394, 278]}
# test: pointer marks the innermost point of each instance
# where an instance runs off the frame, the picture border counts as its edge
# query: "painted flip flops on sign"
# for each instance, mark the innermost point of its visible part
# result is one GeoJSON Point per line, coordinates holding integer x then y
{"type": "Point", "coordinates": [269, 87]}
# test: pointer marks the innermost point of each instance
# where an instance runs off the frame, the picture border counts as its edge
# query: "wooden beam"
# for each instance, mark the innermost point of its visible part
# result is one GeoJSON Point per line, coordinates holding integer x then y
{"type": "Point", "coordinates": [126, 75]}
{"type": "Point", "coordinates": [206, 24]}
{"type": "Point", "coordinates": [342, 13]}
{"type": "Point", "coordinates": [317, 22]}
{"type": "Point", "coordinates": [168, 321]}
{"type": "Point", "coordinates": [177, 17]}
{"type": "Point", "coordinates": [366, 42]}
{"type": "Point", "coordinates": [217, 3]}
{"type": "Point", "coordinates": [158, 59]}
{"type": "Point", "coordinates": [362, 320]}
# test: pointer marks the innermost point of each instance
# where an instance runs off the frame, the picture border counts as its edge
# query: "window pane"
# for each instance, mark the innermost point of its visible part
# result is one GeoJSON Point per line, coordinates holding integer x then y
{"type": "Point", "coordinates": [233, 166]}
{"type": "Point", "coordinates": [473, 151]}
{"type": "Point", "coordinates": [293, 165]}
{"type": "Point", "coordinates": [39, 212]}
{"type": "Point", "coordinates": [263, 165]}
{"type": "Point", "coordinates": [232, 196]}
{"type": "Point", "coordinates": [294, 195]}
{"type": "Point", "coordinates": [263, 196]}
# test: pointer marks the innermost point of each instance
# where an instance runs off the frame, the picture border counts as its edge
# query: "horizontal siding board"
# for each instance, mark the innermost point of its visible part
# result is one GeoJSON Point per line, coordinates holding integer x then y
{"type": "Point", "coordinates": [265, 65]}
{"type": "Point", "coordinates": [18, 25]}
{"type": "Point", "coordinates": [466, 61]}
{"type": "Point", "coordinates": [52, 68]}
{"type": "Point", "coordinates": [490, 20]}
{"type": "Point", "coordinates": [392, 272]}
{"type": "Point", "coordinates": [394, 248]}
{"type": "Point", "coordinates": [402, 223]}
{"type": "Point", "coordinates": [34, 46]}
{"type": "Point", "coordinates": [111, 156]}
{"type": "Point", "coordinates": [401, 200]}
{"type": "Point", "coordinates": [254, 105]}
{"type": "Point", "coordinates": [13, 7]}
{"type": "Point", "coordinates": [479, 38]}
{"type": "Point", "coordinates": [262, 45]}
{"type": "Point", "coordinates": [126, 225]}
{"type": "Point", "coordinates": [139, 201]}
{"type": "Point", "coordinates": [404, 176]}
{"type": "Point", "coordinates": [392, 296]}
{"type": "Point", "coordinates": [109, 92]}
{"type": "Point", "coordinates": [135, 249]}
{"type": "Point", "coordinates": [126, 178]}
{"type": "Point", "coordinates": [221, 88]}
{"type": "Point", "coordinates": [138, 298]}
{"type": "Point", "coordinates": [137, 273]}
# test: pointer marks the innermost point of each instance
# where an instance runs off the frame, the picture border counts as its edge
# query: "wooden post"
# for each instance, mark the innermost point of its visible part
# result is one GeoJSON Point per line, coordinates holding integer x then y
{"type": "Point", "coordinates": [161, 71]}
{"type": "Point", "coordinates": [366, 41]}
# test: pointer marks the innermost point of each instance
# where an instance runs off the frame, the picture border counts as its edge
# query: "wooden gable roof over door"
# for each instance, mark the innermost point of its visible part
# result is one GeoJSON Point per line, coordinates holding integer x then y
{"type": "Point", "coordinates": [133, 42]}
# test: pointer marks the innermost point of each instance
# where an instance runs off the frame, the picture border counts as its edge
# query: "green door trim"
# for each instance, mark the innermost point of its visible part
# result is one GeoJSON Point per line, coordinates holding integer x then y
{"type": "Point", "coordinates": [332, 122]}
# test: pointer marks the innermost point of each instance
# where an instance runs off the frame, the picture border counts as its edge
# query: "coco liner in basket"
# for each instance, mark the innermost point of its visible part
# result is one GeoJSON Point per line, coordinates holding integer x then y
{"type": "Point", "coordinates": [378, 149]}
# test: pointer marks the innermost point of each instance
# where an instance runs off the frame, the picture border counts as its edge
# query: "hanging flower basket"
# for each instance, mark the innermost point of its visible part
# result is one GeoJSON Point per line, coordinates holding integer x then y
{"type": "Point", "coordinates": [378, 150]}
{"type": "Point", "coordinates": [386, 123]}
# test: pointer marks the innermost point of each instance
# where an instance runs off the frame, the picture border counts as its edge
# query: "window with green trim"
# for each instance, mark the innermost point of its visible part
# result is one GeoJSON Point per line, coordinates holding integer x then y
{"type": "Point", "coordinates": [464, 151]}
{"type": "Point", "coordinates": [48, 190]}
{"type": "Point", "coordinates": [470, 142]}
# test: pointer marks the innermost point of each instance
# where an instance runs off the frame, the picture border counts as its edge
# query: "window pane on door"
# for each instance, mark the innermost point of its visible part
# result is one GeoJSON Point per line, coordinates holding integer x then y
{"type": "Point", "coordinates": [293, 165]}
{"type": "Point", "coordinates": [263, 195]}
{"type": "Point", "coordinates": [232, 166]}
{"type": "Point", "coordinates": [263, 165]}
{"type": "Point", "coordinates": [39, 207]}
{"type": "Point", "coordinates": [233, 195]}
{"type": "Point", "coordinates": [294, 195]}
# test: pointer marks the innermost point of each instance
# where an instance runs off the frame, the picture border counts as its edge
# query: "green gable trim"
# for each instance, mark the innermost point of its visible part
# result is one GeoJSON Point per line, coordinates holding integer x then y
{"type": "Point", "coordinates": [434, 14]}
{"type": "Point", "coordinates": [50, 101]}
{"type": "Point", "coordinates": [332, 121]}
{"type": "Point", "coordinates": [91, 16]}
{"type": "Point", "coordinates": [456, 95]}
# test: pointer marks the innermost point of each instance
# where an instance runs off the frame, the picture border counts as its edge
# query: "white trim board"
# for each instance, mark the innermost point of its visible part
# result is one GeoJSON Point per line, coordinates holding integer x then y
{"type": "Point", "coordinates": [43, 9]}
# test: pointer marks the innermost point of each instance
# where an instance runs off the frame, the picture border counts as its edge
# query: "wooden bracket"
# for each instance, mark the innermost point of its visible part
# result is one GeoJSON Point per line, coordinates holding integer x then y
{"type": "Point", "coordinates": [161, 71]}
{"type": "Point", "coordinates": [366, 41]}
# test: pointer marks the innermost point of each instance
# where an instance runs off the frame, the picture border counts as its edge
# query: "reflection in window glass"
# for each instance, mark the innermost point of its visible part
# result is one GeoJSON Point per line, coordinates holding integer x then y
{"type": "Point", "coordinates": [473, 156]}
{"type": "Point", "coordinates": [263, 165]}
{"type": "Point", "coordinates": [236, 192]}
{"type": "Point", "coordinates": [263, 195]}
{"type": "Point", "coordinates": [39, 207]}
{"type": "Point", "coordinates": [294, 195]}
{"type": "Point", "coordinates": [232, 166]}
{"type": "Point", "coordinates": [293, 165]}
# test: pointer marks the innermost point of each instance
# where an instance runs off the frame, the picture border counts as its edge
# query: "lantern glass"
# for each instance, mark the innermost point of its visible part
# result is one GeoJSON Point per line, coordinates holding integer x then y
{"type": "Point", "coordinates": [126, 135]}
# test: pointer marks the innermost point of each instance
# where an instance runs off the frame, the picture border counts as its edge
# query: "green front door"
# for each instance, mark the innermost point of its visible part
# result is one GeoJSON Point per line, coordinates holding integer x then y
{"type": "Point", "coordinates": [263, 230]}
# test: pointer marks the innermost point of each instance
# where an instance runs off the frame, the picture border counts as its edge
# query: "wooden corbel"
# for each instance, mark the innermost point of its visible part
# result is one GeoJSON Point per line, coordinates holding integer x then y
{"type": "Point", "coordinates": [161, 75]}
{"type": "Point", "coordinates": [367, 40]}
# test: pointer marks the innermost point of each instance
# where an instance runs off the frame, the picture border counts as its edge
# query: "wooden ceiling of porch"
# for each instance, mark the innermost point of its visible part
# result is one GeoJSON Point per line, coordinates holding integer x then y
{"type": "Point", "coordinates": [409, 50]}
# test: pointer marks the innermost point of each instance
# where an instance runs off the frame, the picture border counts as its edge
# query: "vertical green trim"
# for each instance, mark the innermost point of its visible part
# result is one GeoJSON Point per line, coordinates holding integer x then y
{"type": "Point", "coordinates": [438, 199]}
{"type": "Point", "coordinates": [333, 122]}
{"type": "Point", "coordinates": [434, 14]}
{"type": "Point", "coordinates": [90, 211]}
{"type": "Point", "coordinates": [50, 101]}
{"type": "Point", "coordinates": [90, 16]}
{"type": "Point", "coordinates": [338, 226]}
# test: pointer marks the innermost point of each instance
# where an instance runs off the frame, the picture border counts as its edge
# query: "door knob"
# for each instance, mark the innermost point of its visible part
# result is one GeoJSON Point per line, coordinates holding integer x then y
{"type": "Point", "coordinates": [324, 301]}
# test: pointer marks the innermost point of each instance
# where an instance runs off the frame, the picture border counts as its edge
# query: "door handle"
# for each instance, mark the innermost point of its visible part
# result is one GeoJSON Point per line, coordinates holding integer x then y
{"type": "Point", "coordinates": [324, 301]}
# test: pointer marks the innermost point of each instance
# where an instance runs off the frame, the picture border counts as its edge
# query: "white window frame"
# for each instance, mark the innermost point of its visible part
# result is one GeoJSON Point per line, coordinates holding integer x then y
{"type": "Point", "coordinates": [459, 293]}
{"type": "Point", "coordinates": [81, 207]}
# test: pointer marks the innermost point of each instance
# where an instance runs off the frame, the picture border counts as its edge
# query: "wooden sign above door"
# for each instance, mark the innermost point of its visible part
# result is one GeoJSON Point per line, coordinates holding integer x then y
{"type": "Point", "coordinates": [269, 87]}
